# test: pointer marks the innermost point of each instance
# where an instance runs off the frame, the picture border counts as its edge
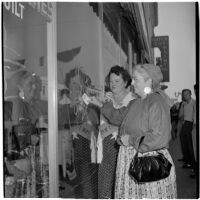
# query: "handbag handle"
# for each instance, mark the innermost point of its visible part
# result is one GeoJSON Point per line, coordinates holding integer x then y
{"type": "Point", "coordinates": [141, 140]}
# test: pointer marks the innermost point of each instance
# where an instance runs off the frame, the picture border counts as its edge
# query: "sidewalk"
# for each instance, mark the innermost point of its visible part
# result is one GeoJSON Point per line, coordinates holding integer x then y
{"type": "Point", "coordinates": [186, 186]}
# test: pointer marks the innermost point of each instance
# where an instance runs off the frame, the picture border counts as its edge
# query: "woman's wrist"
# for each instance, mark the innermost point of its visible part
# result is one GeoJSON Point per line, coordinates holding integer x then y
{"type": "Point", "coordinates": [95, 101]}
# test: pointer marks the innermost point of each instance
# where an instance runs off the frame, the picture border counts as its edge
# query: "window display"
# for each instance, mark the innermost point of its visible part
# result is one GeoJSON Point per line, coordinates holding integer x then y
{"type": "Point", "coordinates": [78, 73]}
{"type": "Point", "coordinates": [35, 119]}
{"type": "Point", "coordinates": [24, 30]}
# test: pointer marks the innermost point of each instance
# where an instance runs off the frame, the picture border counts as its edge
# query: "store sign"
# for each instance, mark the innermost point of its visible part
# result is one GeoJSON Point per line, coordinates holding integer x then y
{"type": "Point", "coordinates": [44, 8]}
{"type": "Point", "coordinates": [162, 42]}
{"type": "Point", "coordinates": [17, 8]}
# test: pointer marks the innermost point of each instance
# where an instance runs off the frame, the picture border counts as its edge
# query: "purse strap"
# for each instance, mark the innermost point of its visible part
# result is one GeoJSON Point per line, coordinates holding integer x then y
{"type": "Point", "coordinates": [141, 140]}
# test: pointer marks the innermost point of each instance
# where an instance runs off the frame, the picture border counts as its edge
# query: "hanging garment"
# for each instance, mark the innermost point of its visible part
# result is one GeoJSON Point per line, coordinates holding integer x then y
{"type": "Point", "coordinates": [85, 164]}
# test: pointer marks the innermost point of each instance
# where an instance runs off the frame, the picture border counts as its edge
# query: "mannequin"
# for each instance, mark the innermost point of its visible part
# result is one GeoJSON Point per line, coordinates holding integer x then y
{"type": "Point", "coordinates": [19, 94]}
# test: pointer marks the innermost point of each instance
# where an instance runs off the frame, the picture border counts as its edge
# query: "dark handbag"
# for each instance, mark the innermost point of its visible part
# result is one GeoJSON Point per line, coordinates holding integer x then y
{"type": "Point", "coordinates": [149, 168]}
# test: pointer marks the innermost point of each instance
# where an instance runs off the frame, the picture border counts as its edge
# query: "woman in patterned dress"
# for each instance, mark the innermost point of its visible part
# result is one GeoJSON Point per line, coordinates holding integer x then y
{"type": "Point", "coordinates": [119, 81]}
{"type": "Point", "coordinates": [147, 116]}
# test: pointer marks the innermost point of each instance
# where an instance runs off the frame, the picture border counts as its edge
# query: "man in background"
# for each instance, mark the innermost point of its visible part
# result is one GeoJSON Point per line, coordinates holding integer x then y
{"type": "Point", "coordinates": [194, 173]}
{"type": "Point", "coordinates": [187, 112]}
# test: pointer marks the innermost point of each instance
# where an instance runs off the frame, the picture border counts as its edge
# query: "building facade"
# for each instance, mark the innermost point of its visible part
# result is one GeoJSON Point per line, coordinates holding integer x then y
{"type": "Point", "coordinates": [53, 53]}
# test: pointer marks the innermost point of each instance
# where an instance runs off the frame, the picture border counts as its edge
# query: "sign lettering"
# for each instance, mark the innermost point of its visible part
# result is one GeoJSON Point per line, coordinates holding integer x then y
{"type": "Point", "coordinates": [45, 8]}
{"type": "Point", "coordinates": [16, 8]}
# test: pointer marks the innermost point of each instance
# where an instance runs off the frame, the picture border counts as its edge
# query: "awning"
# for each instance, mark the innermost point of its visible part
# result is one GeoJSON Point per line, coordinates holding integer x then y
{"type": "Point", "coordinates": [136, 13]}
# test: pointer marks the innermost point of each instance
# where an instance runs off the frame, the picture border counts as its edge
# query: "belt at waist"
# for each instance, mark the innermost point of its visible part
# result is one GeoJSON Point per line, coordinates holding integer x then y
{"type": "Point", "coordinates": [188, 121]}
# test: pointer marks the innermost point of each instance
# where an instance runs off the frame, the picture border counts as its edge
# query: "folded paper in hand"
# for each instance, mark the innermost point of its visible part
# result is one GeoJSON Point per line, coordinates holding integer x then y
{"type": "Point", "coordinates": [86, 99]}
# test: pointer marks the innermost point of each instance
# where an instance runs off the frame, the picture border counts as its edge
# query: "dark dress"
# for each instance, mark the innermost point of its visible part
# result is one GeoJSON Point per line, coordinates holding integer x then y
{"type": "Point", "coordinates": [86, 183]}
{"type": "Point", "coordinates": [107, 167]}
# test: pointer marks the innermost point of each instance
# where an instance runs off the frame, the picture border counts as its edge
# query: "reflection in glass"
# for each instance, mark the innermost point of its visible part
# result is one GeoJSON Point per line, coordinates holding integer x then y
{"type": "Point", "coordinates": [25, 112]}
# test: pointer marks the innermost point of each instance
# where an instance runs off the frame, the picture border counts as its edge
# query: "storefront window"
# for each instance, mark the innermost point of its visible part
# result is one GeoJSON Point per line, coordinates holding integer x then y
{"type": "Point", "coordinates": [78, 74]}
{"type": "Point", "coordinates": [25, 99]}
{"type": "Point", "coordinates": [86, 51]}
{"type": "Point", "coordinates": [36, 120]}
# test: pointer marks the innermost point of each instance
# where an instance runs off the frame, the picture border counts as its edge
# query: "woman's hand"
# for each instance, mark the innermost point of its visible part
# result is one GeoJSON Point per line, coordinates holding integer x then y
{"type": "Point", "coordinates": [34, 139]}
{"type": "Point", "coordinates": [125, 140]}
{"type": "Point", "coordinates": [95, 101]}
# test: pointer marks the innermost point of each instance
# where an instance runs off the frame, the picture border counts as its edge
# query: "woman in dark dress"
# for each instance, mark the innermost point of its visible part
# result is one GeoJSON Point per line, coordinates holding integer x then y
{"type": "Point", "coordinates": [119, 81]}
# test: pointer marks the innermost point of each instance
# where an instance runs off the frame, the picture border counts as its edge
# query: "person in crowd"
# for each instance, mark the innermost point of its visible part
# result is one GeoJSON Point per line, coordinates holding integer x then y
{"type": "Point", "coordinates": [187, 112]}
{"type": "Point", "coordinates": [147, 116]}
{"type": "Point", "coordinates": [194, 173]}
{"type": "Point", "coordinates": [179, 126]}
{"type": "Point", "coordinates": [119, 81]}
{"type": "Point", "coordinates": [174, 120]}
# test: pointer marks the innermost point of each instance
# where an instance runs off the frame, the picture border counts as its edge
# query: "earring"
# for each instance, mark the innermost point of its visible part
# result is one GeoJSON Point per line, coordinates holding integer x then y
{"type": "Point", "coordinates": [21, 94]}
{"type": "Point", "coordinates": [147, 90]}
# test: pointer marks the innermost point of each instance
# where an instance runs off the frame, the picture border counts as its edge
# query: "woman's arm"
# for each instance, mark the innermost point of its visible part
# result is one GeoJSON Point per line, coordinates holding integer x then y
{"type": "Point", "coordinates": [159, 131]}
{"type": "Point", "coordinates": [156, 129]}
{"type": "Point", "coordinates": [113, 115]}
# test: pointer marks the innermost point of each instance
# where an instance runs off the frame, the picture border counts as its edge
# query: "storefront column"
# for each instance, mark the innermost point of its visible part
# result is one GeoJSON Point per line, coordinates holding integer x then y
{"type": "Point", "coordinates": [130, 57]}
{"type": "Point", "coordinates": [52, 105]}
{"type": "Point", "coordinates": [100, 31]}
{"type": "Point", "coordinates": [1, 105]}
{"type": "Point", "coordinates": [134, 58]}
{"type": "Point", "coordinates": [119, 41]}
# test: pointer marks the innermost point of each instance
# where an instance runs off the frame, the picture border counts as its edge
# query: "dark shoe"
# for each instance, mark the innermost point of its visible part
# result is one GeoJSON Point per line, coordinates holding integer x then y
{"type": "Point", "coordinates": [193, 175]}
{"type": "Point", "coordinates": [186, 166]}
{"type": "Point", "coordinates": [61, 188]}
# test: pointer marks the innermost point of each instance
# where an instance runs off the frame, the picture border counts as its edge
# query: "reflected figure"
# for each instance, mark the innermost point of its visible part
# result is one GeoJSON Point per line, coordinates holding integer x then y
{"type": "Point", "coordinates": [65, 147]}
{"type": "Point", "coordinates": [23, 89]}
{"type": "Point", "coordinates": [83, 122]}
